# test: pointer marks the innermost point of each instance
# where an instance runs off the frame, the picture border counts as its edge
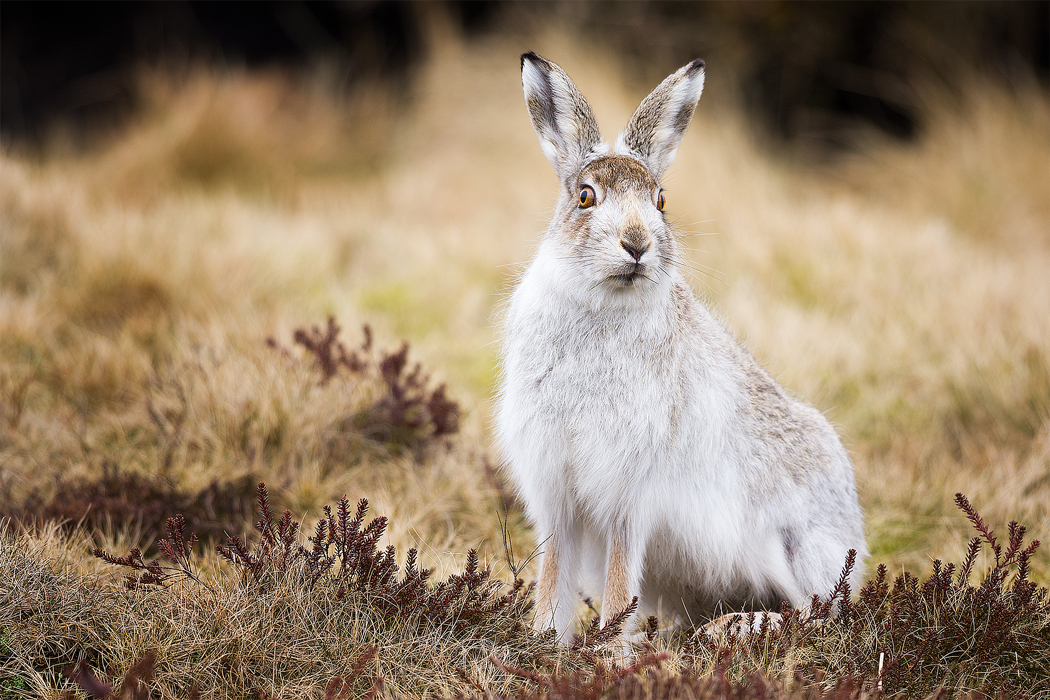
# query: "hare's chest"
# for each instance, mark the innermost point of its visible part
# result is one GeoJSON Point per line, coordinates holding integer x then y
{"type": "Point", "coordinates": [612, 394]}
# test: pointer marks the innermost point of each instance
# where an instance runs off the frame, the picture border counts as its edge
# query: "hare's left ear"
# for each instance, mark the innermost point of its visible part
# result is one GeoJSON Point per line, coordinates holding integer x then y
{"type": "Point", "coordinates": [656, 129]}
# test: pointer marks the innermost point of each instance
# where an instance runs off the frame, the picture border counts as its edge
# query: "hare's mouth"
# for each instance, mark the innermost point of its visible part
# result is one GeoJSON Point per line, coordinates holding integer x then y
{"type": "Point", "coordinates": [628, 278]}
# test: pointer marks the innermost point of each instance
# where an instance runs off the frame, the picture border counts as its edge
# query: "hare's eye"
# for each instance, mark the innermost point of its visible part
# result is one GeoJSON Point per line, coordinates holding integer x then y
{"type": "Point", "coordinates": [660, 201]}
{"type": "Point", "coordinates": [586, 197]}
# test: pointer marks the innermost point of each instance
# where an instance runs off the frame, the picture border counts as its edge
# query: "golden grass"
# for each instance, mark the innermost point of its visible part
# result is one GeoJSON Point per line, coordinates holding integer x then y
{"type": "Point", "coordinates": [905, 291]}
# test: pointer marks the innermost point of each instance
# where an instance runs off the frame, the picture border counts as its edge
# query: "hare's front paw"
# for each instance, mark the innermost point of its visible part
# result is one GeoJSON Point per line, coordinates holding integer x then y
{"type": "Point", "coordinates": [542, 623]}
{"type": "Point", "coordinates": [619, 651]}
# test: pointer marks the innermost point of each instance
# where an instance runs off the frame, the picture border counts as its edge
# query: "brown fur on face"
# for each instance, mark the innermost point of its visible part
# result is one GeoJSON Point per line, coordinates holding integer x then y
{"type": "Point", "coordinates": [620, 174]}
{"type": "Point", "coordinates": [615, 173]}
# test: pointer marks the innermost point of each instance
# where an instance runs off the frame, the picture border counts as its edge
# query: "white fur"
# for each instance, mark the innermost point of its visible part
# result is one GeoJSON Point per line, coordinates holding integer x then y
{"type": "Point", "coordinates": [532, 82]}
{"type": "Point", "coordinates": [628, 413]}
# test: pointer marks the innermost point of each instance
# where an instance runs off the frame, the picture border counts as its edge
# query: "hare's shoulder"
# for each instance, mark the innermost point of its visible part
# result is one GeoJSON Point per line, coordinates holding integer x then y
{"type": "Point", "coordinates": [777, 427]}
{"type": "Point", "coordinates": [786, 431]}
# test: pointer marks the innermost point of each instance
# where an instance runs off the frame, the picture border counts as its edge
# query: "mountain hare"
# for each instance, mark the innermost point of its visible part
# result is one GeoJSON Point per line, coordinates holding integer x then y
{"type": "Point", "coordinates": [654, 456]}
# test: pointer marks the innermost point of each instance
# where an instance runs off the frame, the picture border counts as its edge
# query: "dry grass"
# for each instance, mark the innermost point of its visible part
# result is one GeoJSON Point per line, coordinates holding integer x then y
{"type": "Point", "coordinates": [280, 640]}
{"type": "Point", "coordinates": [904, 291]}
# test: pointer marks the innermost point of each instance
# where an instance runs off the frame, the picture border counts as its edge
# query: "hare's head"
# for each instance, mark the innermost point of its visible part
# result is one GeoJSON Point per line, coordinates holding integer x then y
{"type": "Point", "coordinates": [609, 219]}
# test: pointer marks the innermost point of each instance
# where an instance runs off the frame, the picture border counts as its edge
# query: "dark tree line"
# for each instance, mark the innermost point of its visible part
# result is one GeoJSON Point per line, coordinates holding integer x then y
{"type": "Point", "coordinates": [806, 68]}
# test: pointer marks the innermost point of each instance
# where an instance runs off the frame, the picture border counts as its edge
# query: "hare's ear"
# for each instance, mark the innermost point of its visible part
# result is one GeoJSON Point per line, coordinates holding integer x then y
{"type": "Point", "coordinates": [562, 118]}
{"type": "Point", "coordinates": [656, 129]}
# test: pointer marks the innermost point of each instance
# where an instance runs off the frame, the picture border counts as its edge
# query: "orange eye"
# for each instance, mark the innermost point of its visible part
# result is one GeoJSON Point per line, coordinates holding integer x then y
{"type": "Point", "coordinates": [660, 201]}
{"type": "Point", "coordinates": [586, 197]}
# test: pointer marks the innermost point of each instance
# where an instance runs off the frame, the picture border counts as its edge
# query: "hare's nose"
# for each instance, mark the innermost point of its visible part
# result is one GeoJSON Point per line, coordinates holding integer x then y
{"type": "Point", "coordinates": [634, 250]}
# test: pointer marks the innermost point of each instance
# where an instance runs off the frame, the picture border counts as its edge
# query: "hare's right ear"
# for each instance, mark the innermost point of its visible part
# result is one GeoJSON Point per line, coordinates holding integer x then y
{"type": "Point", "coordinates": [562, 118]}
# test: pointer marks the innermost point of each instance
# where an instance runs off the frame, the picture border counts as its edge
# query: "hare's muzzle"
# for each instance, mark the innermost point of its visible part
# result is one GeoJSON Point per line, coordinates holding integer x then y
{"type": "Point", "coordinates": [635, 239]}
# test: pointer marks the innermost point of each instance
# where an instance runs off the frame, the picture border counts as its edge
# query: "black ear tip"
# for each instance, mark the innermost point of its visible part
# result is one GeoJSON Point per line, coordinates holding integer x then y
{"type": "Point", "coordinates": [530, 56]}
{"type": "Point", "coordinates": [696, 65]}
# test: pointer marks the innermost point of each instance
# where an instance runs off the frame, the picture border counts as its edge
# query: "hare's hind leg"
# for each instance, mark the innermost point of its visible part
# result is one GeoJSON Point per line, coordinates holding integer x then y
{"type": "Point", "coordinates": [559, 575]}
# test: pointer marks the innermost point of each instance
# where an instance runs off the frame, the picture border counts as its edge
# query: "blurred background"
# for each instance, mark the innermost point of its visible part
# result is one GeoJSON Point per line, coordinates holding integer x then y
{"type": "Point", "coordinates": [864, 193]}
{"type": "Point", "coordinates": [808, 72]}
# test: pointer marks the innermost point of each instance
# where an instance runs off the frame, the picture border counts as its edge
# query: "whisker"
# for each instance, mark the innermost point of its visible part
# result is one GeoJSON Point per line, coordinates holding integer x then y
{"type": "Point", "coordinates": [691, 249]}
{"type": "Point", "coordinates": [708, 271]}
{"type": "Point", "coordinates": [708, 286]}
{"type": "Point", "coordinates": [595, 285]}
{"type": "Point", "coordinates": [699, 275]}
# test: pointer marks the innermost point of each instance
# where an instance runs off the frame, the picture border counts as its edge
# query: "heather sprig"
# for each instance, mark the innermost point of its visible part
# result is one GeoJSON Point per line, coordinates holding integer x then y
{"type": "Point", "coordinates": [133, 686]}
{"type": "Point", "coordinates": [596, 635]}
{"type": "Point", "coordinates": [177, 549]}
{"type": "Point", "coordinates": [407, 413]}
{"type": "Point", "coordinates": [345, 559]}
